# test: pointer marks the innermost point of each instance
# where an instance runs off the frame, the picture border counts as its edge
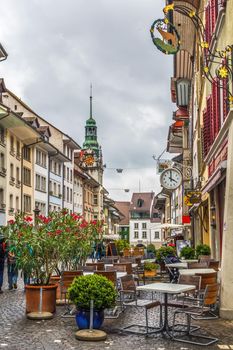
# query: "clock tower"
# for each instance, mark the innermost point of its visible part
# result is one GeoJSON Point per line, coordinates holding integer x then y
{"type": "Point", "coordinates": [92, 159]}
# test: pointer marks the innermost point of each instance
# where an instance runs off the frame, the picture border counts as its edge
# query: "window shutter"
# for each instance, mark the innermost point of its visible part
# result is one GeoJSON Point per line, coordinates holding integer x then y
{"type": "Point", "coordinates": [215, 108]}
{"type": "Point", "coordinates": [210, 120]}
{"type": "Point", "coordinates": [213, 14]}
{"type": "Point", "coordinates": [225, 102]}
{"type": "Point", "coordinates": [206, 133]}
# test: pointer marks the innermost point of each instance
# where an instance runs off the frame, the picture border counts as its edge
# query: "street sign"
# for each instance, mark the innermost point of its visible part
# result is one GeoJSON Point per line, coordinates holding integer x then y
{"type": "Point", "coordinates": [192, 197]}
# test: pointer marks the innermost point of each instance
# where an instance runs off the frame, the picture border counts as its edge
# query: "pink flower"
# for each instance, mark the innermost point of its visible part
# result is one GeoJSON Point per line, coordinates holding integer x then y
{"type": "Point", "coordinates": [58, 232]}
{"type": "Point", "coordinates": [11, 222]}
{"type": "Point", "coordinates": [28, 218]}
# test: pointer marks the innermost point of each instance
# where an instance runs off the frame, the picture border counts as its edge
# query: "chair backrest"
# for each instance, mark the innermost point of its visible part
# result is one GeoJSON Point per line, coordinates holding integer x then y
{"type": "Point", "coordinates": [203, 258]}
{"type": "Point", "coordinates": [127, 283]}
{"type": "Point", "coordinates": [207, 279]}
{"type": "Point", "coordinates": [211, 294]}
{"type": "Point", "coordinates": [191, 280]}
{"type": "Point", "coordinates": [128, 265]}
{"type": "Point", "coordinates": [214, 265]}
{"type": "Point", "coordinates": [98, 265]}
{"type": "Point", "coordinates": [119, 267]}
{"type": "Point", "coordinates": [110, 260]}
{"type": "Point", "coordinates": [198, 265]}
{"type": "Point", "coordinates": [110, 268]}
{"type": "Point", "coordinates": [110, 275]}
{"type": "Point", "coordinates": [67, 278]}
{"type": "Point", "coordinates": [89, 268]}
{"type": "Point", "coordinates": [127, 259]}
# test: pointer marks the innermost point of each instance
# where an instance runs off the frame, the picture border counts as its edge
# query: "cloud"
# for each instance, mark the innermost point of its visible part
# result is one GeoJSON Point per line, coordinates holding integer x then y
{"type": "Point", "coordinates": [57, 48]}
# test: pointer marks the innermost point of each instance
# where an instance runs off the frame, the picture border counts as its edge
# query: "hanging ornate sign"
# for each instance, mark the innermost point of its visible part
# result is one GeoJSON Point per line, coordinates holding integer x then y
{"type": "Point", "coordinates": [192, 197]}
{"type": "Point", "coordinates": [165, 36]}
{"type": "Point", "coordinates": [86, 158]}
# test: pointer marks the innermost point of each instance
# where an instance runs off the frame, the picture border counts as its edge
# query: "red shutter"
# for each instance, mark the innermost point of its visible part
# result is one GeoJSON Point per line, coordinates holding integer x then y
{"type": "Point", "coordinates": [206, 133]}
{"type": "Point", "coordinates": [211, 119]}
{"type": "Point", "coordinates": [215, 108]}
{"type": "Point", "coordinates": [213, 14]}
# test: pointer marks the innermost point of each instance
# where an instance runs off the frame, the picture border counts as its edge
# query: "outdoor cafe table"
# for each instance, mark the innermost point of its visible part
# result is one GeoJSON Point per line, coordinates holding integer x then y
{"type": "Point", "coordinates": [191, 272]}
{"type": "Point", "coordinates": [133, 265]}
{"type": "Point", "coordinates": [166, 288]}
{"type": "Point", "coordinates": [178, 265]}
{"type": "Point", "coordinates": [118, 274]}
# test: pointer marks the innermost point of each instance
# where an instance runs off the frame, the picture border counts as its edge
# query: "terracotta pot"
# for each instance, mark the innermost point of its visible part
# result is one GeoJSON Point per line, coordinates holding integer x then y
{"type": "Point", "coordinates": [152, 273]}
{"type": "Point", "coordinates": [56, 280]}
{"type": "Point", "coordinates": [48, 298]}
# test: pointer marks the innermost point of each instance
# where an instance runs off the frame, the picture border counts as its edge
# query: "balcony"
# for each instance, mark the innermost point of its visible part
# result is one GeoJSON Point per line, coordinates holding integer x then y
{"type": "Point", "coordinates": [12, 181]}
{"type": "Point", "coordinates": [18, 183]}
{"type": "Point", "coordinates": [18, 156]}
{"type": "Point", "coordinates": [3, 172]}
{"type": "Point", "coordinates": [12, 152]}
{"type": "Point", "coordinates": [3, 141]}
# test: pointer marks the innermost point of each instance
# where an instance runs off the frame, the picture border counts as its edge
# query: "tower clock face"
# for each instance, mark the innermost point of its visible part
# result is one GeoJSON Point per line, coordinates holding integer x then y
{"type": "Point", "coordinates": [171, 178]}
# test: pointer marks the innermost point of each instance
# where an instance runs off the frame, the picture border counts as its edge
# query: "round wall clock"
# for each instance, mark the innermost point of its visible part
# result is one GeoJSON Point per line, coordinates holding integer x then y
{"type": "Point", "coordinates": [171, 178]}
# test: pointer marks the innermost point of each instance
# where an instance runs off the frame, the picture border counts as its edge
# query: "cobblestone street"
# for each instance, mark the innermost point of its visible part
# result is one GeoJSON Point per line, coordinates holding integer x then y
{"type": "Point", "coordinates": [17, 332]}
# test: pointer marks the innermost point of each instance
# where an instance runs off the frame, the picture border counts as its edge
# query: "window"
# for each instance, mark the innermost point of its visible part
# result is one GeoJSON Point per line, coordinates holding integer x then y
{"type": "Point", "coordinates": [16, 107]}
{"type": "Point", "coordinates": [67, 174]}
{"type": "Point", "coordinates": [64, 171]}
{"type": "Point", "coordinates": [95, 199]}
{"type": "Point", "coordinates": [1, 198]}
{"type": "Point", "coordinates": [12, 150]}
{"type": "Point", "coordinates": [136, 234]}
{"type": "Point", "coordinates": [156, 235]}
{"type": "Point", "coordinates": [59, 169]}
{"type": "Point", "coordinates": [70, 195]}
{"type": "Point", "coordinates": [27, 153]}
{"type": "Point", "coordinates": [144, 234]}
{"type": "Point", "coordinates": [144, 225]}
{"type": "Point", "coordinates": [17, 149]}
{"type": "Point", "coordinates": [40, 183]}
{"type": "Point", "coordinates": [64, 193]}
{"type": "Point", "coordinates": [12, 172]}
{"type": "Point", "coordinates": [59, 190]}
{"type": "Point", "coordinates": [17, 203]}
{"type": "Point", "coordinates": [67, 194]}
{"type": "Point", "coordinates": [27, 176]}
{"type": "Point", "coordinates": [140, 202]}
{"type": "Point", "coordinates": [27, 204]}
{"type": "Point", "coordinates": [71, 175]}
{"type": "Point", "coordinates": [2, 135]}
{"type": "Point", "coordinates": [55, 168]}
{"type": "Point", "coordinates": [55, 189]}
{"type": "Point", "coordinates": [41, 158]}
{"type": "Point", "coordinates": [136, 225]}
{"type": "Point", "coordinates": [11, 202]}
{"type": "Point", "coordinates": [17, 175]}
{"type": "Point", "coordinates": [2, 160]}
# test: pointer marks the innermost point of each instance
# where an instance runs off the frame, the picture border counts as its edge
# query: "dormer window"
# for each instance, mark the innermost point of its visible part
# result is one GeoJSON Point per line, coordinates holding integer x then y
{"type": "Point", "coordinates": [140, 202]}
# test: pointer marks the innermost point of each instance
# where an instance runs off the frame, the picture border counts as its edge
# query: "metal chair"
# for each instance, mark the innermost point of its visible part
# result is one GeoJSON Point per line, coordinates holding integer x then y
{"type": "Point", "coordinates": [67, 278]}
{"type": "Point", "coordinates": [128, 289]}
{"type": "Point", "coordinates": [210, 298]}
{"type": "Point", "coordinates": [128, 266]}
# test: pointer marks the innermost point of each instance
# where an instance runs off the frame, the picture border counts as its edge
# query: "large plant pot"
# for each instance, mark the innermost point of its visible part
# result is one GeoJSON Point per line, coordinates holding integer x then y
{"type": "Point", "coordinates": [152, 273]}
{"type": "Point", "coordinates": [56, 280]}
{"type": "Point", "coordinates": [83, 319]}
{"type": "Point", "coordinates": [33, 298]}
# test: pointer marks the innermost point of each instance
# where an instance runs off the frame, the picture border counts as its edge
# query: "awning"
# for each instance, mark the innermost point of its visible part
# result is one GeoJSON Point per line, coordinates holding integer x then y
{"type": "Point", "coordinates": [167, 226]}
{"type": "Point", "coordinates": [111, 236]}
{"type": "Point", "coordinates": [215, 179]}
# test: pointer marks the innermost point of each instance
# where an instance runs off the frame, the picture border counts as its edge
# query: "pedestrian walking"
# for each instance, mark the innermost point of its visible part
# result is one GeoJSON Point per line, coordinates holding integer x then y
{"type": "Point", "coordinates": [2, 260]}
{"type": "Point", "coordinates": [12, 270]}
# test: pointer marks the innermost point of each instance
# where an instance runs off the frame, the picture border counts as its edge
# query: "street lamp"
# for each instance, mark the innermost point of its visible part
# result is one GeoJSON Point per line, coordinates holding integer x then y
{"type": "Point", "coordinates": [36, 214]}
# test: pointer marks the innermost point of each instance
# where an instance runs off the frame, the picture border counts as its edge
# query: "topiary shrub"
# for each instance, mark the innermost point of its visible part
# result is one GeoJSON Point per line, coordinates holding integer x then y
{"type": "Point", "coordinates": [151, 249]}
{"type": "Point", "coordinates": [92, 287]}
{"type": "Point", "coordinates": [187, 253]}
{"type": "Point", "coordinates": [202, 249]}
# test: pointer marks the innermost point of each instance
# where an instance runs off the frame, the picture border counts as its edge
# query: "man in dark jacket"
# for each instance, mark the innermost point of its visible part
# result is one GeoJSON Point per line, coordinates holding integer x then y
{"type": "Point", "coordinates": [2, 260]}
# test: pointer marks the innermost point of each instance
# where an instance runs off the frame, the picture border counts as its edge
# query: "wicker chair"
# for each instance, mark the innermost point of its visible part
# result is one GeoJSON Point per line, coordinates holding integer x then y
{"type": "Point", "coordinates": [98, 265]}
{"type": "Point", "coordinates": [210, 298]}
{"type": "Point", "coordinates": [128, 297]}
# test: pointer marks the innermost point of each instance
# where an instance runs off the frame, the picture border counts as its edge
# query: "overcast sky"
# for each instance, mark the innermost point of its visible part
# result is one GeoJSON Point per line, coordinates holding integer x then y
{"type": "Point", "coordinates": [56, 48]}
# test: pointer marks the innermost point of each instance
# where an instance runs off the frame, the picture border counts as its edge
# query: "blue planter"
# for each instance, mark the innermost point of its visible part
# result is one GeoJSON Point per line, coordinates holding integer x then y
{"type": "Point", "coordinates": [83, 319]}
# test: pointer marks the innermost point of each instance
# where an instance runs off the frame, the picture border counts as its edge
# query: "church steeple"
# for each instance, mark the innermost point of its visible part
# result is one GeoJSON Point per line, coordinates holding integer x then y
{"type": "Point", "coordinates": [91, 132]}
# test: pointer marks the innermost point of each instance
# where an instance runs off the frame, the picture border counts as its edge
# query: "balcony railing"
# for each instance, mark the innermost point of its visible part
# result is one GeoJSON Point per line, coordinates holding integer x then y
{"type": "Point", "coordinates": [3, 172]}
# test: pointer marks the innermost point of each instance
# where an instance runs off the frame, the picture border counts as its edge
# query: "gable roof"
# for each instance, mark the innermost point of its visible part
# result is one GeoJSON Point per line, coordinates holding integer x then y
{"type": "Point", "coordinates": [141, 201]}
{"type": "Point", "coordinates": [123, 208]}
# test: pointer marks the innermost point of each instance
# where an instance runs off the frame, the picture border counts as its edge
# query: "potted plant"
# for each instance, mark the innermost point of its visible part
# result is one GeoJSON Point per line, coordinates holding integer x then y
{"type": "Point", "coordinates": [92, 287]}
{"type": "Point", "coordinates": [121, 244]}
{"type": "Point", "coordinates": [40, 249]}
{"type": "Point", "coordinates": [187, 253]}
{"type": "Point", "coordinates": [150, 269]}
{"type": "Point", "coordinates": [203, 249]}
{"type": "Point", "coordinates": [151, 251]}
{"type": "Point", "coordinates": [162, 252]}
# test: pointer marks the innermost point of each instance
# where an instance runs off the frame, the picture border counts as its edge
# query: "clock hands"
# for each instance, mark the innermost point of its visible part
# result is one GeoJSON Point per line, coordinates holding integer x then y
{"type": "Point", "coordinates": [173, 180]}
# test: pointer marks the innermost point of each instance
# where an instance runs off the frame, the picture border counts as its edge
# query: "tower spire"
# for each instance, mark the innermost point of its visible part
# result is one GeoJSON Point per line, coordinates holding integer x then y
{"type": "Point", "coordinates": [91, 101]}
